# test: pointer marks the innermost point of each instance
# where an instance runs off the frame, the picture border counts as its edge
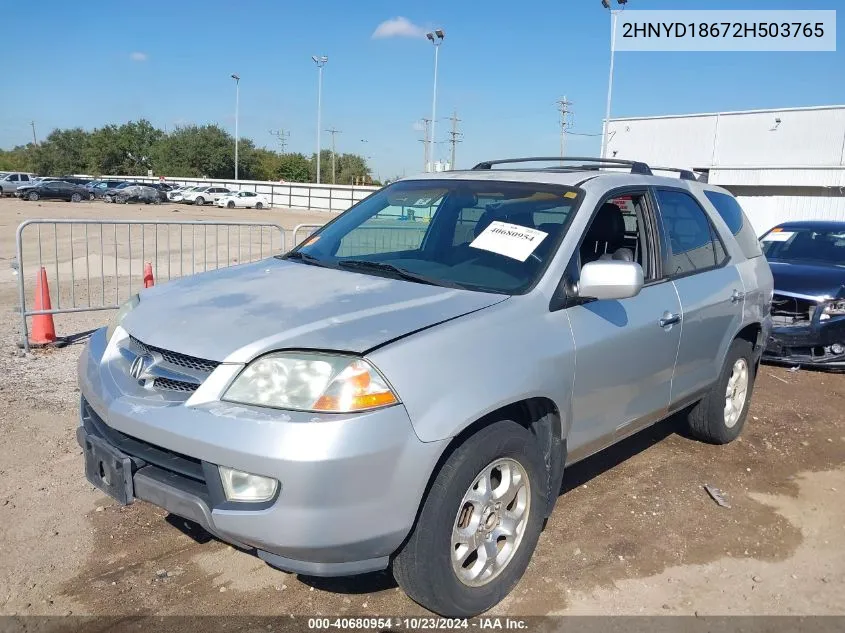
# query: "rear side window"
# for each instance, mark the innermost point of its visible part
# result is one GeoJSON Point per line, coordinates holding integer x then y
{"type": "Point", "coordinates": [691, 236]}
{"type": "Point", "coordinates": [732, 214]}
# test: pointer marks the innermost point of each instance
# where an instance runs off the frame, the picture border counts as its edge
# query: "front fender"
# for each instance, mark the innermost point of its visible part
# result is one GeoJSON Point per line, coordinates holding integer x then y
{"type": "Point", "coordinates": [457, 372]}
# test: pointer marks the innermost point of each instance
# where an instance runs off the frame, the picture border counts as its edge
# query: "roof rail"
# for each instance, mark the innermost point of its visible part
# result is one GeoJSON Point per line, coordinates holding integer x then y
{"type": "Point", "coordinates": [685, 174]}
{"type": "Point", "coordinates": [637, 167]}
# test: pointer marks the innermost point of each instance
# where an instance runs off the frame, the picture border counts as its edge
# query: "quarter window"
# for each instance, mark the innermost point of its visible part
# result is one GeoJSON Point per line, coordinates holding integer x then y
{"type": "Point", "coordinates": [731, 212]}
{"type": "Point", "coordinates": [691, 236]}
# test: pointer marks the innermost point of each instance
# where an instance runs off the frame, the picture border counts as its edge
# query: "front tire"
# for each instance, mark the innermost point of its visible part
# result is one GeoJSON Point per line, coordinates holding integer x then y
{"type": "Point", "coordinates": [32, 196]}
{"type": "Point", "coordinates": [718, 418]}
{"type": "Point", "coordinates": [479, 524]}
{"type": "Point", "coordinates": [230, 205]}
{"type": "Point", "coordinates": [199, 201]}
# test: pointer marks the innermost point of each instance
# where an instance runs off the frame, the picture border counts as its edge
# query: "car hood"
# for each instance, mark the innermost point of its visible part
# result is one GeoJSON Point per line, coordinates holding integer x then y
{"type": "Point", "coordinates": [237, 313]}
{"type": "Point", "coordinates": [809, 280]}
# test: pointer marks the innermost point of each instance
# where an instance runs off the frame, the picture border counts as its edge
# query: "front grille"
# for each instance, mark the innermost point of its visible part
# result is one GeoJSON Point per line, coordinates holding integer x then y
{"type": "Point", "coordinates": [169, 384]}
{"type": "Point", "coordinates": [788, 310]}
{"type": "Point", "coordinates": [175, 358]}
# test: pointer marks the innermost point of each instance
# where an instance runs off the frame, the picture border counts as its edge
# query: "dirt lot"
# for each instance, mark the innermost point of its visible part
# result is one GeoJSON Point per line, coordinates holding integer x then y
{"type": "Point", "coordinates": [633, 533]}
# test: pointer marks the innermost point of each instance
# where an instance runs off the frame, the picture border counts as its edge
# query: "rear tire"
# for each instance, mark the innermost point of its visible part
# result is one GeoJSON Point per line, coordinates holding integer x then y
{"type": "Point", "coordinates": [76, 198]}
{"type": "Point", "coordinates": [259, 205]}
{"type": "Point", "coordinates": [470, 511]}
{"type": "Point", "coordinates": [718, 418]}
{"type": "Point", "coordinates": [90, 196]}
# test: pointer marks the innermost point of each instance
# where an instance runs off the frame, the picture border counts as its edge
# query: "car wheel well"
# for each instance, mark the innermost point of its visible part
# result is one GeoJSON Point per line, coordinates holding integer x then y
{"type": "Point", "coordinates": [751, 333]}
{"type": "Point", "coordinates": [540, 416]}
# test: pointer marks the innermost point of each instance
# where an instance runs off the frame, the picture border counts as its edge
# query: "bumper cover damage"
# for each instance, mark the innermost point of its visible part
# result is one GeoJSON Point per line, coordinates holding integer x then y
{"type": "Point", "coordinates": [813, 343]}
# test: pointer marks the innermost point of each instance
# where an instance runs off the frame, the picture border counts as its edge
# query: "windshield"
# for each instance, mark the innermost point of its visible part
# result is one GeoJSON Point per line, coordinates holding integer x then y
{"type": "Point", "coordinates": [805, 246]}
{"type": "Point", "coordinates": [480, 235]}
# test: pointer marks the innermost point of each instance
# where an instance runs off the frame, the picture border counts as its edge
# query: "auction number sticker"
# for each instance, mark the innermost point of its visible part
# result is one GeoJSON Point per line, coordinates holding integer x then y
{"type": "Point", "coordinates": [778, 236]}
{"type": "Point", "coordinates": [510, 240]}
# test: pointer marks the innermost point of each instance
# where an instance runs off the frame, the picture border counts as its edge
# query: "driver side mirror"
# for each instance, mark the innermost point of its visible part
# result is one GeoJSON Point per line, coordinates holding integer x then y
{"type": "Point", "coordinates": [608, 279]}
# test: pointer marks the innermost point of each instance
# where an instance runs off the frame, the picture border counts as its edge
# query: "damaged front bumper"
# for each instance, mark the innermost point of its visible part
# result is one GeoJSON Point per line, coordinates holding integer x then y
{"type": "Point", "coordinates": [814, 343]}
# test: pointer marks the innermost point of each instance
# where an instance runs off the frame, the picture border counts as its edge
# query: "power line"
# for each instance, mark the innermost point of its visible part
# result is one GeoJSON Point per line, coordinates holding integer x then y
{"type": "Point", "coordinates": [564, 107]}
{"type": "Point", "coordinates": [282, 136]}
{"type": "Point", "coordinates": [454, 136]}
{"type": "Point", "coordinates": [333, 132]}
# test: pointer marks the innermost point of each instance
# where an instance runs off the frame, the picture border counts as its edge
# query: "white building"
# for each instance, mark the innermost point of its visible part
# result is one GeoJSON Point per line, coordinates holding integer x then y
{"type": "Point", "coordinates": [781, 164]}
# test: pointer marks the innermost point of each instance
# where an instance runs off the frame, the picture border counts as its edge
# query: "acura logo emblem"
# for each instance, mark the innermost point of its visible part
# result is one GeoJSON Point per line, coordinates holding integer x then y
{"type": "Point", "coordinates": [139, 366]}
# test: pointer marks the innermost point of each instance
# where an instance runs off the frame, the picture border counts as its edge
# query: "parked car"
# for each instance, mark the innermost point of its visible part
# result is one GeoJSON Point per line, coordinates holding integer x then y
{"type": "Point", "coordinates": [10, 182]}
{"type": "Point", "coordinates": [110, 193]}
{"type": "Point", "coordinates": [808, 308]}
{"type": "Point", "coordinates": [177, 194]}
{"type": "Point", "coordinates": [54, 190]}
{"type": "Point", "coordinates": [137, 193]}
{"type": "Point", "coordinates": [204, 194]}
{"type": "Point", "coordinates": [99, 187]}
{"type": "Point", "coordinates": [408, 393]}
{"type": "Point", "coordinates": [243, 199]}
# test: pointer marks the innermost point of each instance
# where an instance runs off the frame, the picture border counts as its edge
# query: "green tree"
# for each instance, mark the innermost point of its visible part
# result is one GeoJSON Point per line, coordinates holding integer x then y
{"type": "Point", "coordinates": [294, 168]}
{"type": "Point", "coordinates": [198, 151]}
{"type": "Point", "coordinates": [63, 152]}
{"type": "Point", "coordinates": [125, 149]}
{"type": "Point", "coordinates": [18, 159]}
{"type": "Point", "coordinates": [347, 167]}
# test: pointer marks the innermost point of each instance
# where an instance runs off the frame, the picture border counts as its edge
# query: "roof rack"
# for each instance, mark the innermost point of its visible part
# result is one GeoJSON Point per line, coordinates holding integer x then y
{"type": "Point", "coordinates": [685, 174]}
{"type": "Point", "coordinates": [637, 167]}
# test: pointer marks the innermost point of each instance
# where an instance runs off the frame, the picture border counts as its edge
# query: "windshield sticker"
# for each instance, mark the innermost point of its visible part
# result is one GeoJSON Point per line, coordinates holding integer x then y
{"type": "Point", "coordinates": [510, 240]}
{"type": "Point", "coordinates": [778, 236]}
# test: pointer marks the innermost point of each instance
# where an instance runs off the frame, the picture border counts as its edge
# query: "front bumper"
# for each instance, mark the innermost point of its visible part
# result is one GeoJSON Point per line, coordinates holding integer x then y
{"type": "Point", "coordinates": [350, 484]}
{"type": "Point", "coordinates": [809, 344]}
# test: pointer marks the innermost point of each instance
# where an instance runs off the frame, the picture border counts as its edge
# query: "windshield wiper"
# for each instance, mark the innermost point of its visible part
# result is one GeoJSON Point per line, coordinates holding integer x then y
{"type": "Point", "coordinates": [305, 258]}
{"type": "Point", "coordinates": [390, 269]}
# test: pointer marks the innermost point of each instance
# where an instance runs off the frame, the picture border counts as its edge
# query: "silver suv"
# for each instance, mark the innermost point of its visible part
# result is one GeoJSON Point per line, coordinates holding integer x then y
{"type": "Point", "coordinates": [406, 387]}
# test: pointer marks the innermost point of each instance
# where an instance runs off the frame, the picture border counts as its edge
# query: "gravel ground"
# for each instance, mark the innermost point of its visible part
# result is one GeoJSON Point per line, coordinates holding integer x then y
{"type": "Point", "coordinates": [633, 533]}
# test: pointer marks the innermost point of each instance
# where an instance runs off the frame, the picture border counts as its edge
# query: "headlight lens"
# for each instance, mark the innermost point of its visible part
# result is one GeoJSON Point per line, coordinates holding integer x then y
{"type": "Point", "coordinates": [241, 486]}
{"type": "Point", "coordinates": [834, 308]}
{"type": "Point", "coordinates": [117, 319]}
{"type": "Point", "coordinates": [311, 382]}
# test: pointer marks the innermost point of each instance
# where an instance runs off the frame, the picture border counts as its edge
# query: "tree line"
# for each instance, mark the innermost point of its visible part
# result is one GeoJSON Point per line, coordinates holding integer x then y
{"type": "Point", "coordinates": [199, 151]}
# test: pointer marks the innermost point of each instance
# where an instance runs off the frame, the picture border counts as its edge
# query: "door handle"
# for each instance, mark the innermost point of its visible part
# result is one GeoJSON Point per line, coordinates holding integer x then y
{"type": "Point", "coordinates": [737, 296]}
{"type": "Point", "coordinates": [669, 319]}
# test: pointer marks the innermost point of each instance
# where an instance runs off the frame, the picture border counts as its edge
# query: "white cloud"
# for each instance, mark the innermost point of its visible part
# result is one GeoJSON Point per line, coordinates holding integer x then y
{"type": "Point", "coordinates": [138, 56]}
{"type": "Point", "coordinates": [398, 27]}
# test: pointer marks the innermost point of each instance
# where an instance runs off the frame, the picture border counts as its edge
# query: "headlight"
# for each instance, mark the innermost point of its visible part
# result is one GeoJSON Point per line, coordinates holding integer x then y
{"type": "Point", "coordinates": [834, 308]}
{"type": "Point", "coordinates": [241, 486]}
{"type": "Point", "coordinates": [311, 382]}
{"type": "Point", "coordinates": [117, 319]}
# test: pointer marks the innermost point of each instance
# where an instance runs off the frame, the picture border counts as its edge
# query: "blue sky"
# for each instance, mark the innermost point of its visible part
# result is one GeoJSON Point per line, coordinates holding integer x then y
{"type": "Point", "coordinates": [502, 67]}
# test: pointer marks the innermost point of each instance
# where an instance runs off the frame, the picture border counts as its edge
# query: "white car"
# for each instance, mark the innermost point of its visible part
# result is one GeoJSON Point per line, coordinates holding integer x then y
{"type": "Point", "coordinates": [205, 194]}
{"type": "Point", "coordinates": [244, 199]}
{"type": "Point", "coordinates": [178, 194]}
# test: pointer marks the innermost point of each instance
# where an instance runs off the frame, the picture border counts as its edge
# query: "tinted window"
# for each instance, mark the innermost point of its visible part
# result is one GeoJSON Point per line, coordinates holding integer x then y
{"type": "Point", "coordinates": [24, 178]}
{"type": "Point", "coordinates": [737, 222]}
{"type": "Point", "coordinates": [689, 231]}
{"type": "Point", "coordinates": [805, 246]}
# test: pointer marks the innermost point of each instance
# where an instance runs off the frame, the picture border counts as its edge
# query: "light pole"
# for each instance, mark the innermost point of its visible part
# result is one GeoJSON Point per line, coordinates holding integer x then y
{"type": "Point", "coordinates": [320, 60]}
{"type": "Point", "coordinates": [435, 37]}
{"type": "Point", "coordinates": [237, 104]}
{"type": "Point", "coordinates": [613, 15]}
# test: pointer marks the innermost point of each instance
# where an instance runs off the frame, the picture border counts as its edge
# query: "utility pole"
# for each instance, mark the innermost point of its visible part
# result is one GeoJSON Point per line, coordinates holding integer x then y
{"type": "Point", "coordinates": [564, 107]}
{"type": "Point", "coordinates": [34, 138]}
{"type": "Point", "coordinates": [333, 132]}
{"type": "Point", "coordinates": [426, 123]}
{"type": "Point", "coordinates": [282, 137]}
{"type": "Point", "coordinates": [454, 136]}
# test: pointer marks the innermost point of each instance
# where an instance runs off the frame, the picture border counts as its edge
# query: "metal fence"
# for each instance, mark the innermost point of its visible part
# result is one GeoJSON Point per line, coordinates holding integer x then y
{"type": "Point", "coordinates": [97, 264]}
{"type": "Point", "coordinates": [301, 232]}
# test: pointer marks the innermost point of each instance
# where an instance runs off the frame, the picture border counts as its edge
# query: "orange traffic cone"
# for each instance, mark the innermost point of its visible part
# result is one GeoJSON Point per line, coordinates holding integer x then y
{"type": "Point", "coordinates": [43, 329]}
{"type": "Point", "coordinates": [149, 280]}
